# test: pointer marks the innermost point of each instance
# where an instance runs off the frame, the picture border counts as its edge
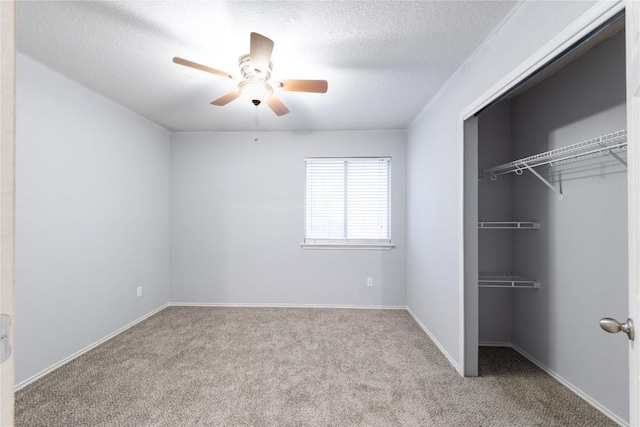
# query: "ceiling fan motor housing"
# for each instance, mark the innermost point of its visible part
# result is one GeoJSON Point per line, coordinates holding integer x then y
{"type": "Point", "coordinates": [249, 71]}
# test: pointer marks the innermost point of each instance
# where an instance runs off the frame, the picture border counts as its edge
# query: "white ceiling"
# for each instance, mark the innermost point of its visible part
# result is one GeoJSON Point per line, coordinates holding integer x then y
{"type": "Point", "coordinates": [384, 60]}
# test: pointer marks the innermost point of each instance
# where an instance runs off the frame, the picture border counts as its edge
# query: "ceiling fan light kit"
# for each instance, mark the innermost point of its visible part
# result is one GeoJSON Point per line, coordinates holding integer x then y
{"type": "Point", "coordinates": [256, 69]}
{"type": "Point", "coordinates": [256, 90]}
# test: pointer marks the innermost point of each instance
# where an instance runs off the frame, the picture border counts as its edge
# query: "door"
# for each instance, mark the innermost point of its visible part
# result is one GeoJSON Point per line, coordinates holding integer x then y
{"type": "Point", "coordinates": [7, 144]}
{"type": "Point", "coordinates": [633, 138]}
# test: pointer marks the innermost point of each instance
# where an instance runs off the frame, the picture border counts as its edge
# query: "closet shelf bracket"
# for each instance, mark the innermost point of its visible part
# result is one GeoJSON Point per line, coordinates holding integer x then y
{"type": "Point", "coordinates": [615, 156]}
{"type": "Point", "coordinates": [541, 178]}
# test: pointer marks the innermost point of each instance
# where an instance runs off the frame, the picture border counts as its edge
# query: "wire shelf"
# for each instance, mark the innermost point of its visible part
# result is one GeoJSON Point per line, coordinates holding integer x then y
{"type": "Point", "coordinates": [508, 225]}
{"type": "Point", "coordinates": [602, 144]}
{"type": "Point", "coordinates": [506, 282]}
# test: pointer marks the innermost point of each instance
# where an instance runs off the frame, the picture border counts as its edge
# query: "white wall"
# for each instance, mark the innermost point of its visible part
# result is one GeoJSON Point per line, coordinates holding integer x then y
{"type": "Point", "coordinates": [92, 217]}
{"type": "Point", "coordinates": [434, 153]}
{"type": "Point", "coordinates": [237, 221]}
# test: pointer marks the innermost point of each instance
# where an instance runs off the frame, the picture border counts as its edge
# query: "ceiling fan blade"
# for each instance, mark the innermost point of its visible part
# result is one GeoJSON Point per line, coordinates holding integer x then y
{"type": "Point", "coordinates": [200, 67]}
{"type": "Point", "coordinates": [225, 99]}
{"type": "Point", "coordinates": [277, 106]}
{"type": "Point", "coordinates": [260, 51]}
{"type": "Point", "coordinates": [316, 86]}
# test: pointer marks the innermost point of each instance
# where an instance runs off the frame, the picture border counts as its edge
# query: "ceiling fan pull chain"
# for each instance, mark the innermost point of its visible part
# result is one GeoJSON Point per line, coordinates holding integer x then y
{"type": "Point", "coordinates": [256, 119]}
{"type": "Point", "coordinates": [256, 123]}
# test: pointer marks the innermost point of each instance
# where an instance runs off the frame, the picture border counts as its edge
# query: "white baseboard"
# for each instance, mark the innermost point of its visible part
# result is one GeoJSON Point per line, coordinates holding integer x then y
{"type": "Point", "coordinates": [571, 387]}
{"type": "Point", "coordinates": [435, 341]}
{"type": "Point", "coordinates": [86, 349]}
{"type": "Point", "coordinates": [285, 305]}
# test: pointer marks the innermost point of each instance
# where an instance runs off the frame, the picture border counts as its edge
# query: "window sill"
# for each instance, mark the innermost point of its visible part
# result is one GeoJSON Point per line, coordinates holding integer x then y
{"type": "Point", "coordinates": [349, 246]}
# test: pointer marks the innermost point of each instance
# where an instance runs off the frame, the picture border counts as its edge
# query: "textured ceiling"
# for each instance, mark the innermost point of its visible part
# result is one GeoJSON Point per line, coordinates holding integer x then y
{"type": "Point", "coordinates": [384, 60]}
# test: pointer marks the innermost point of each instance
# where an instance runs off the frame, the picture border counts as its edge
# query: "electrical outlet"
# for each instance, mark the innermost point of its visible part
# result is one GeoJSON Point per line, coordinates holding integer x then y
{"type": "Point", "coordinates": [139, 292]}
{"type": "Point", "coordinates": [369, 281]}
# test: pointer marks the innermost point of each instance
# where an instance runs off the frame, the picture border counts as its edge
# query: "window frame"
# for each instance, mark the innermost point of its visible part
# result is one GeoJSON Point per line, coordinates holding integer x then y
{"type": "Point", "coordinates": [355, 243]}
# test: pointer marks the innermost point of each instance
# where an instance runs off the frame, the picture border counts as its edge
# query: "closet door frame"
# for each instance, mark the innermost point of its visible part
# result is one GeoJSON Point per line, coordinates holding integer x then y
{"type": "Point", "coordinates": [7, 200]}
{"type": "Point", "coordinates": [468, 285]}
{"type": "Point", "coordinates": [633, 157]}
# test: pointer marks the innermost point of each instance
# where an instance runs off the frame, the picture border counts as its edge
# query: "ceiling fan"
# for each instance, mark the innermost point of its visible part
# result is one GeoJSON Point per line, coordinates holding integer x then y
{"type": "Point", "coordinates": [256, 68]}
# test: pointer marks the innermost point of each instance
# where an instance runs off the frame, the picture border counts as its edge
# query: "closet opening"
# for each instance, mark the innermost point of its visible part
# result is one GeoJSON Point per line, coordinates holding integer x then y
{"type": "Point", "coordinates": [546, 223]}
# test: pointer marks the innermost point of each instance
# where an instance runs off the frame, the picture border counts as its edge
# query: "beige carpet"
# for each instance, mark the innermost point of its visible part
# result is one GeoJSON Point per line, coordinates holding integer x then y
{"type": "Point", "coordinates": [192, 366]}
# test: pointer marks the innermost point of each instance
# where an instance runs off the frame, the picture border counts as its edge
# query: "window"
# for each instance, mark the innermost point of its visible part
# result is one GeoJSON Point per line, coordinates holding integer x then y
{"type": "Point", "coordinates": [348, 202]}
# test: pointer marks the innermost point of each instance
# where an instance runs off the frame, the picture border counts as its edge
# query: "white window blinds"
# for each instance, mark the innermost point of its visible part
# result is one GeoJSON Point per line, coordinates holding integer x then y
{"type": "Point", "coordinates": [348, 200]}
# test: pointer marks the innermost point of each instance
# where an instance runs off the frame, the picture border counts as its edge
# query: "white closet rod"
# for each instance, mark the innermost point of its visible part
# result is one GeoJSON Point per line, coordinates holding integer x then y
{"type": "Point", "coordinates": [602, 144]}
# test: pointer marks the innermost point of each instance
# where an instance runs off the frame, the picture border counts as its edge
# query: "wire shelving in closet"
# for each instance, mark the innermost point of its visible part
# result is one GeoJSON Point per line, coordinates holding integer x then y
{"type": "Point", "coordinates": [507, 280]}
{"type": "Point", "coordinates": [606, 145]}
{"type": "Point", "coordinates": [508, 225]}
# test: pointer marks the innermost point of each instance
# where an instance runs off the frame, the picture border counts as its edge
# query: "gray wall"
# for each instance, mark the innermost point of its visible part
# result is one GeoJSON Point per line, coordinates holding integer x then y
{"type": "Point", "coordinates": [494, 204]}
{"type": "Point", "coordinates": [237, 221]}
{"type": "Point", "coordinates": [580, 252]}
{"type": "Point", "coordinates": [434, 154]}
{"type": "Point", "coordinates": [92, 218]}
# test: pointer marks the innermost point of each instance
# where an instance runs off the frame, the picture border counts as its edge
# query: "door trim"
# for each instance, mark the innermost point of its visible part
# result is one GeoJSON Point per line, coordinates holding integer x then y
{"type": "Point", "coordinates": [7, 198]}
{"type": "Point", "coordinates": [633, 158]}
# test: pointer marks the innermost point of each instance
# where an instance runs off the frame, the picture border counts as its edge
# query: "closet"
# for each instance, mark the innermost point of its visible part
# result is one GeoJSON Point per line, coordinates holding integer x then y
{"type": "Point", "coordinates": [552, 218]}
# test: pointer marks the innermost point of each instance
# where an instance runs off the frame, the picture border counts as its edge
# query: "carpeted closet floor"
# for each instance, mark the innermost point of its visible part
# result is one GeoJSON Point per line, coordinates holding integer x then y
{"type": "Point", "coordinates": [206, 366]}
